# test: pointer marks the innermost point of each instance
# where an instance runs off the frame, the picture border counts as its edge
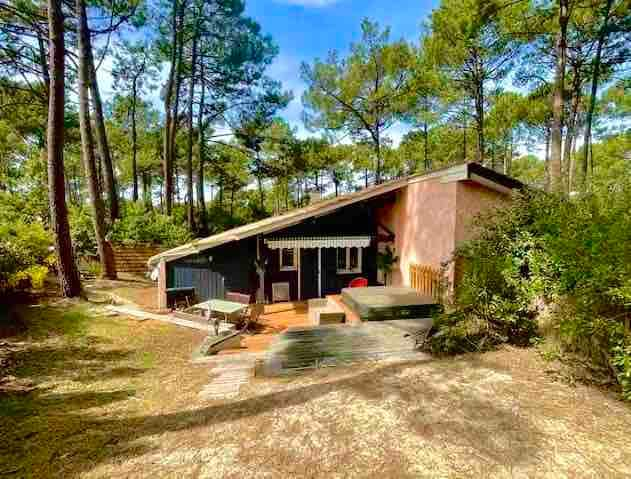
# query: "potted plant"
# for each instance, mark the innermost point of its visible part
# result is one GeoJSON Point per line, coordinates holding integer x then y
{"type": "Point", "coordinates": [385, 262]}
{"type": "Point", "coordinates": [261, 266]}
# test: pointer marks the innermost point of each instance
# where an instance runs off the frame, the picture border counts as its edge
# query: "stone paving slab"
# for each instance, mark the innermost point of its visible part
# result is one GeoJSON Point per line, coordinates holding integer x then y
{"type": "Point", "coordinates": [228, 377]}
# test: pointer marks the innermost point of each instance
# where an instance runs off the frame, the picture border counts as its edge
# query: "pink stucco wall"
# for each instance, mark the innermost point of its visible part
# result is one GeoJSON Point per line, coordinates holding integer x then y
{"type": "Point", "coordinates": [429, 218]}
{"type": "Point", "coordinates": [472, 199]}
{"type": "Point", "coordinates": [423, 221]}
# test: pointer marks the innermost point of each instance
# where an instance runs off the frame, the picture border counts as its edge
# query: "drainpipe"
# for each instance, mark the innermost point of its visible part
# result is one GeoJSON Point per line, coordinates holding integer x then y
{"type": "Point", "coordinates": [260, 293]}
{"type": "Point", "coordinates": [319, 272]}
{"type": "Point", "coordinates": [298, 264]}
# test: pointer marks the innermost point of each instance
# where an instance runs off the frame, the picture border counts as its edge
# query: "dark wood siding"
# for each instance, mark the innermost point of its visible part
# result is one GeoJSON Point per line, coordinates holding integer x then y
{"type": "Point", "coordinates": [353, 220]}
{"type": "Point", "coordinates": [333, 283]}
{"type": "Point", "coordinates": [233, 262]}
{"type": "Point", "coordinates": [273, 274]}
{"type": "Point", "coordinates": [309, 273]}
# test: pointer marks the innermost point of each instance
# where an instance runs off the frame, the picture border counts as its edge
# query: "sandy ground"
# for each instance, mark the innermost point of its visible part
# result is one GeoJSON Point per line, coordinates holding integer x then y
{"type": "Point", "coordinates": [120, 398]}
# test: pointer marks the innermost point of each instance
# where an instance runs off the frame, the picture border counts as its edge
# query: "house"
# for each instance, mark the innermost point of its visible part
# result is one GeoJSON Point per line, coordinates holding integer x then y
{"type": "Point", "coordinates": [317, 250]}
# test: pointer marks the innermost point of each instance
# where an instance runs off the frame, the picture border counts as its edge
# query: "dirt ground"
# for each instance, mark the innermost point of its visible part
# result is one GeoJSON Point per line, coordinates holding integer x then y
{"type": "Point", "coordinates": [128, 288]}
{"type": "Point", "coordinates": [120, 398]}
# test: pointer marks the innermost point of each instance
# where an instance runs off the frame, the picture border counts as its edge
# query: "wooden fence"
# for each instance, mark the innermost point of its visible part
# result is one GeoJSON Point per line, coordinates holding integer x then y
{"type": "Point", "coordinates": [426, 280]}
{"type": "Point", "coordinates": [133, 259]}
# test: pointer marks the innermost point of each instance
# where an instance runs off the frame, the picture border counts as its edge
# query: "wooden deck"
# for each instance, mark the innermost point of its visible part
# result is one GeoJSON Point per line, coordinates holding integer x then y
{"type": "Point", "coordinates": [301, 348]}
{"type": "Point", "coordinates": [276, 319]}
{"type": "Point", "coordinates": [290, 342]}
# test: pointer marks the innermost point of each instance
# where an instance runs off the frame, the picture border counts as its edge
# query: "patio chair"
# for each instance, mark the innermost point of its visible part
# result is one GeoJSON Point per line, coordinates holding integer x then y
{"type": "Point", "coordinates": [358, 283]}
{"type": "Point", "coordinates": [238, 297]}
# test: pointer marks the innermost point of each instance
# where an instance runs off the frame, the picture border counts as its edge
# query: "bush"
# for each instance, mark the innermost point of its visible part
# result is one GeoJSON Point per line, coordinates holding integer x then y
{"type": "Point", "coordinates": [24, 246]}
{"type": "Point", "coordinates": [547, 250]}
{"type": "Point", "coordinates": [82, 231]}
{"type": "Point", "coordinates": [139, 226]}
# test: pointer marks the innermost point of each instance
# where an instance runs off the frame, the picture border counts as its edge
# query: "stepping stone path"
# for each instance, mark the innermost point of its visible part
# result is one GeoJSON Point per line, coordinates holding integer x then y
{"type": "Point", "coordinates": [228, 376]}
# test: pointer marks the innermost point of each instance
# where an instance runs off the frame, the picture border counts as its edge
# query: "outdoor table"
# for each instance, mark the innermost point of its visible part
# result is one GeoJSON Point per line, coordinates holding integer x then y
{"type": "Point", "coordinates": [222, 306]}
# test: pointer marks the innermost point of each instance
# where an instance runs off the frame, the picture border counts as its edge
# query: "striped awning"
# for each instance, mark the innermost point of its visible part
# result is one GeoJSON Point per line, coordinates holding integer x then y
{"type": "Point", "coordinates": [319, 242]}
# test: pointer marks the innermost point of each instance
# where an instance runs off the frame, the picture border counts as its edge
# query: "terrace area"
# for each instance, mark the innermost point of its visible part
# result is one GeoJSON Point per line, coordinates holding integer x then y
{"type": "Point", "coordinates": [300, 335]}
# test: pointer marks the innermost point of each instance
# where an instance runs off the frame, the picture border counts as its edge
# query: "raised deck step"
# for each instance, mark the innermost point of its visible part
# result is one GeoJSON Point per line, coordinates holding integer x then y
{"type": "Point", "coordinates": [351, 316]}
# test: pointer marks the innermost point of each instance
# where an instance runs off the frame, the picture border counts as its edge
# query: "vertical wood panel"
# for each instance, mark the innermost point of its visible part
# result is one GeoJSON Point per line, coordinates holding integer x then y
{"type": "Point", "coordinates": [426, 280]}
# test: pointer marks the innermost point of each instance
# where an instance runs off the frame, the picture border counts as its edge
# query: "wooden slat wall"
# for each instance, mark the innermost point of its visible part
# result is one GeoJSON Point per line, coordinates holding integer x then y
{"type": "Point", "coordinates": [426, 280]}
{"type": "Point", "coordinates": [133, 259]}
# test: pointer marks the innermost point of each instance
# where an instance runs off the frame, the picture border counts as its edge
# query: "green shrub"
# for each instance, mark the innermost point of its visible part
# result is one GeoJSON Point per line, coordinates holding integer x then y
{"type": "Point", "coordinates": [622, 363]}
{"type": "Point", "coordinates": [82, 231]}
{"type": "Point", "coordinates": [544, 249]}
{"type": "Point", "coordinates": [24, 246]}
{"type": "Point", "coordinates": [138, 226]}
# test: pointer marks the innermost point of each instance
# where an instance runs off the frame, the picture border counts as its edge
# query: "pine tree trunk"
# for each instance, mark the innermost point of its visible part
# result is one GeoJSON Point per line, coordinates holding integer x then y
{"type": "Point", "coordinates": [568, 161]}
{"type": "Point", "coordinates": [41, 43]}
{"type": "Point", "coordinates": [66, 267]}
{"type": "Point", "coordinates": [168, 100]}
{"type": "Point", "coordinates": [558, 100]}
{"type": "Point", "coordinates": [546, 185]}
{"type": "Point", "coordinates": [261, 192]}
{"type": "Point", "coordinates": [479, 119]}
{"type": "Point", "coordinates": [589, 119]}
{"type": "Point", "coordinates": [87, 146]}
{"type": "Point", "coordinates": [379, 160]}
{"type": "Point", "coordinates": [146, 190]}
{"type": "Point", "coordinates": [189, 147]}
{"type": "Point", "coordinates": [179, 40]}
{"type": "Point", "coordinates": [134, 145]}
{"type": "Point", "coordinates": [232, 204]}
{"type": "Point", "coordinates": [464, 142]}
{"type": "Point", "coordinates": [178, 87]}
{"type": "Point", "coordinates": [426, 164]}
{"type": "Point", "coordinates": [102, 143]}
{"type": "Point", "coordinates": [201, 200]}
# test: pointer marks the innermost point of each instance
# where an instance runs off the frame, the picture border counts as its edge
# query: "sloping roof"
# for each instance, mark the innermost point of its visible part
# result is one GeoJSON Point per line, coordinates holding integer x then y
{"type": "Point", "coordinates": [465, 171]}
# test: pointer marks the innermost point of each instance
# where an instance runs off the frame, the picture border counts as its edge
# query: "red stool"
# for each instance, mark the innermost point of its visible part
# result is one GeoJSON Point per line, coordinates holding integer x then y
{"type": "Point", "coordinates": [358, 283]}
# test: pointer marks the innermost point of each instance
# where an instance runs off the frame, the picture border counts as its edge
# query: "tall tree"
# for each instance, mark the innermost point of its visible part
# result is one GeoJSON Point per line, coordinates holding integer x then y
{"type": "Point", "coordinates": [364, 94]}
{"type": "Point", "coordinates": [558, 97]}
{"type": "Point", "coordinates": [612, 37]}
{"type": "Point", "coordinates": [201, 160]}
{"type": "Point", "coordinates": [167, 152]}
{"type": "Point", "coordinates": [87, 142]}
{"type": "Point", "coordinates": [66, 267]}
{"type": "Point", "coordinates": [133, 69]}
{"type": "Point", "coordinates": [470, 48]}
{"type": "Point", "coordinates": [103, 144]}
{"type": "Point", "coordinates": [190, 213]}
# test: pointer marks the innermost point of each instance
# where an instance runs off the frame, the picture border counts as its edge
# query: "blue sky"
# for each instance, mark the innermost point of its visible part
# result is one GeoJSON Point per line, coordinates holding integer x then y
{"type": "Point", "coordinates": [307, 29]}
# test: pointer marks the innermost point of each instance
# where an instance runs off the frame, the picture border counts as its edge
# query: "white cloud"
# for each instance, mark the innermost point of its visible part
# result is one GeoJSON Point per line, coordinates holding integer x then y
{"type": "Point", "coordinates": [308, 3]}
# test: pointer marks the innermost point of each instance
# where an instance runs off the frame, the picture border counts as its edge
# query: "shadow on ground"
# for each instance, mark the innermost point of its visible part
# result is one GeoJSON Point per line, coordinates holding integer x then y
{"type": "Point", "coordinates": [56, 433]}
{"type": "Point", "coordinates": [90, 439]}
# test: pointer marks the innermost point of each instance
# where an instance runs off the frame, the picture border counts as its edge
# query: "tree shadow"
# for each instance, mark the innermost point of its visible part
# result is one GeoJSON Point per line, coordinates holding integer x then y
{"type": "Point", "coordinates": [479, 424]}
{"type": "Point", "coordinates": [39, 428]}
{"type": "Point", "coordinates": [49, 434]}
{"type": "Point", "coordinates": [76, 363]}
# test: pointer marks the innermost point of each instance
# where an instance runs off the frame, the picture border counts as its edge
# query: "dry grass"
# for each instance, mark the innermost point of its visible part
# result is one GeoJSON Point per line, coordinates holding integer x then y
{"type": "Point", "coordinates": [118, 398]}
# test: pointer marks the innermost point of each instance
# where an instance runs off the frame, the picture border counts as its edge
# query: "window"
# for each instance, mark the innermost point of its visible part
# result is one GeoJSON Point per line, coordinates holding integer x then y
{"type": "Point", "coordinates": [287, 259]}
{"type": "Point", "coordinates": [349, 260]}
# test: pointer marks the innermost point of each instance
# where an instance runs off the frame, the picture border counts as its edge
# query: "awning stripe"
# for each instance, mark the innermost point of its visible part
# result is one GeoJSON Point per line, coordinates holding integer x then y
{"type": "Point", "coordinates": [319, 242]}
